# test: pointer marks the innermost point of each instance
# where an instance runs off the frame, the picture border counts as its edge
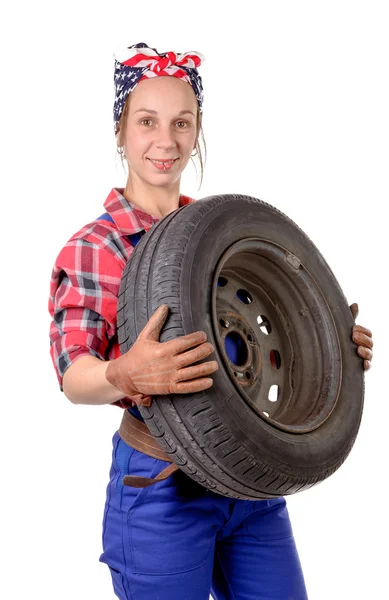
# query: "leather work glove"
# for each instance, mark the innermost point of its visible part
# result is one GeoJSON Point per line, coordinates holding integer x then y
{"type": "Point", "coordinates": [363, 338]}
{"type": "Point", "coordinates": [153, 368]}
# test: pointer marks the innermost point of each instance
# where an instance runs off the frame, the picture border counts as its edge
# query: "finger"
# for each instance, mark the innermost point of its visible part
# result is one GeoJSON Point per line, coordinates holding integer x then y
{"type": "Point", "coordinates": [362, 340]}
{"type": "Point", "coordinates": [192, 356]}
{"type": "Point", "coordinates": [146, 401]}
{"type": "Point", "coordinates": [199, 371]}
{"type": "Point", "coordinates": [354, 310]}
{"type": "Point", "coordinates": [362, 330]}
{"type": "Point", "coordinates": [152, 329]}
{"type": "Point", "coordinates": [191, 387]}
{"type": "Point", "coordinates": [141, 400]}
{"type": "Point", "coordinates": [183, 343]}
{"type": "Point", "coordinates": [365, 353]}
{"type": "Point", "coordinates": [366, 365]}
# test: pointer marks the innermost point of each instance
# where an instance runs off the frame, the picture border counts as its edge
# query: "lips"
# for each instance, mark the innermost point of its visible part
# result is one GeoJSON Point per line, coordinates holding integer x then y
{"type": "Point", "coordinates": [164, 164]}
{"type": "Point", "coordinates": [163, 160]}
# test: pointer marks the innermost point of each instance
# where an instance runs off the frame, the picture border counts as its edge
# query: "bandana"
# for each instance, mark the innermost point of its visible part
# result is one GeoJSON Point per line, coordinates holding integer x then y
{"type": "Point", "coordinates": [139, 62]}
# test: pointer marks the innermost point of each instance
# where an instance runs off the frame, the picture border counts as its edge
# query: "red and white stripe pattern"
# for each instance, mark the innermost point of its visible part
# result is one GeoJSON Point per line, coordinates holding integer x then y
{"type": "Point", "coordinates": [168, 62]}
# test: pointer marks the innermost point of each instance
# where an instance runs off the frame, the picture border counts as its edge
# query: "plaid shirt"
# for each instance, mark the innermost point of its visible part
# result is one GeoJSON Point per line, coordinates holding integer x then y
{"type": "Point", "coordinates": [85, 284]}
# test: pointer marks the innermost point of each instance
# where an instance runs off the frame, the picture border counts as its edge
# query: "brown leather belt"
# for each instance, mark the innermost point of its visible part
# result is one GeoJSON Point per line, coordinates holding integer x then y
{"type": "Point", "coordinates": [136, 434]}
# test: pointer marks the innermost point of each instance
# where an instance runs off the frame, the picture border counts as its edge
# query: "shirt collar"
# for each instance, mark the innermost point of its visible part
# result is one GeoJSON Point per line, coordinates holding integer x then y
{"type": "Point", "coordinates": [129, 219]}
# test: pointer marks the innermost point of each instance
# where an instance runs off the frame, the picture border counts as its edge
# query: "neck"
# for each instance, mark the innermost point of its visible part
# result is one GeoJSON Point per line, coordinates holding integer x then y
{"type": "Point", "coordinates": [156, 201]}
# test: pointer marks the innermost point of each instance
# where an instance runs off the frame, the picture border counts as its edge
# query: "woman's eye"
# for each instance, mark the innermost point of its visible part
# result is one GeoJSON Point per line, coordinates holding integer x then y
{"type": "Point", "coordinates": [148, 122]}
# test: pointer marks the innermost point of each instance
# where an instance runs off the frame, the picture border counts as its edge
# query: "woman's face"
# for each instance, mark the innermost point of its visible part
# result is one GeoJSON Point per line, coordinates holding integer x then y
{"type": "Point", "coordinates": [161, 126]}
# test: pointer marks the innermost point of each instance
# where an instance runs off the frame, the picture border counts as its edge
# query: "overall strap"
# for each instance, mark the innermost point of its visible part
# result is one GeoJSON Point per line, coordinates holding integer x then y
{"type": "Point", "coordinates": [133, 429]}
{"type": "Point", "coordinates": [133, 238]}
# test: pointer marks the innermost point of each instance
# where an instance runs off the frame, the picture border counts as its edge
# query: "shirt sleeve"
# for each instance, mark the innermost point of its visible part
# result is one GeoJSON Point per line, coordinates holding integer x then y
{"type": "Point", "coordinates": [84, 289]}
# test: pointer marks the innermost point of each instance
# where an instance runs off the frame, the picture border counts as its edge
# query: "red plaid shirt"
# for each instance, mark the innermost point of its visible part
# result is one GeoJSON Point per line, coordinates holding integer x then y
{"type": "Point", "coordinates": [85, 283]}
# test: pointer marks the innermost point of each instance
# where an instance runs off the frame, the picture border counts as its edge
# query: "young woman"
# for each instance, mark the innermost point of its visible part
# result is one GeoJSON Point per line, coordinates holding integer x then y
{"type": "Point", "coordinates": [173, 540]}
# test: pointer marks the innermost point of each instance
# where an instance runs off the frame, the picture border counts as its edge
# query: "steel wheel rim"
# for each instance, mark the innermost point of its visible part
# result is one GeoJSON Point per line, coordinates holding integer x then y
{"type": "Point", "coordinates": [266, 301]}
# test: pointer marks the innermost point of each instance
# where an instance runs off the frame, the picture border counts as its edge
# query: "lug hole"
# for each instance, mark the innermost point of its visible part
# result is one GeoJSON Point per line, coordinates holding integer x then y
{"type": "Point", "coordinates": [223, 323]}
{"type": "Point", "coordinates": [275, 359]}
{"type": "Point", "coordinates": [222, 282]}
{"type": "Point", "coordinates": [248, 375]}
{"type": "Point", "coordinates": [273, 393]}
{"type": "Point", "coordinates": [244, 296]}
{"type": "Point", "coordinates": [264, 324]}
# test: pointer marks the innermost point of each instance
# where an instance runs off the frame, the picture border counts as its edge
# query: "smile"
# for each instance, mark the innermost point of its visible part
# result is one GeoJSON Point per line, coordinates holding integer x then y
{"type": "Point", "coordinates": [163, 165]}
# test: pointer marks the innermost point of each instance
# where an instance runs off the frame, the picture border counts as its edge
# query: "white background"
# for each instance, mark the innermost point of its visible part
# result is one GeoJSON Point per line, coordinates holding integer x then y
{"type": "Point", "coordinates": [295, 113]}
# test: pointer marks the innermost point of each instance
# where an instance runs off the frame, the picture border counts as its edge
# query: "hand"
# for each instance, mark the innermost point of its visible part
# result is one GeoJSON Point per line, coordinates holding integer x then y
{"type": "Point", "coordinates": [363, 338]}
{"type": "Point", "coordinates": [154, 368]}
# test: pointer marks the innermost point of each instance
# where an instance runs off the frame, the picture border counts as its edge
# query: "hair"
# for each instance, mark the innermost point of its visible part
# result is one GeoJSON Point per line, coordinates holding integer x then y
{"type": "Point", "coordinates": [121, 128]}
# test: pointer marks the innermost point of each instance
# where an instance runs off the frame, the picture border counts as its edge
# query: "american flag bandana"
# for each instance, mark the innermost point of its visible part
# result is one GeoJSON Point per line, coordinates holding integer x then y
{"type": "Point", "coordinates": [141, 62]}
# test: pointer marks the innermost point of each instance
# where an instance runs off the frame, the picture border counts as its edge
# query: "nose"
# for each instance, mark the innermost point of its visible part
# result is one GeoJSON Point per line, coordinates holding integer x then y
{"type": "Point", "coordinates": [165, 140]}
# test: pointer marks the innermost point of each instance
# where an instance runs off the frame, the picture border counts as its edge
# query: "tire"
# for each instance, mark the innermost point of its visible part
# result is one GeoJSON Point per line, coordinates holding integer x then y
{"type": "Point", "coordinates": [240, 270]}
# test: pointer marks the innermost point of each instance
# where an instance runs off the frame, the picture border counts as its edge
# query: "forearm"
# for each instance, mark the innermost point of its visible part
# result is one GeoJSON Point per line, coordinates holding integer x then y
{"type": "Point", "coordinates": [84, 382]}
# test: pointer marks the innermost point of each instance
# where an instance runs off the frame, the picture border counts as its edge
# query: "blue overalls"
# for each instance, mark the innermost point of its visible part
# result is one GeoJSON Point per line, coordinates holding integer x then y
{"type": "Point", "coordinates": [176, 540]}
